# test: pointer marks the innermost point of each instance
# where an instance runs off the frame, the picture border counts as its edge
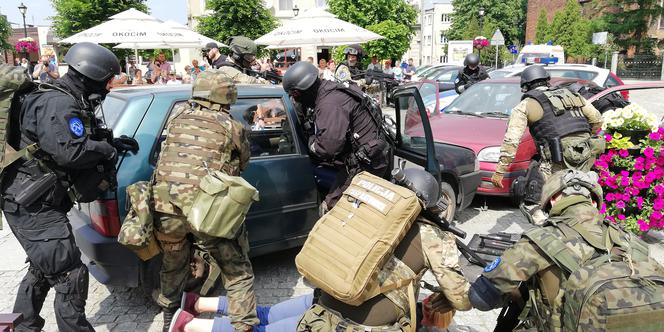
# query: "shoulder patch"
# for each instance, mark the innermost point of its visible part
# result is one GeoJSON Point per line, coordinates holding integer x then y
{"type": "Point", "coordinates": [76, 127]}
{"type": "Point", "coordinates": [493, 265]}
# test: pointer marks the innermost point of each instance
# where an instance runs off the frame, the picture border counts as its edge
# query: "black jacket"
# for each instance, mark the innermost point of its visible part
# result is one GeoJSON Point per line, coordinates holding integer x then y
{"type": "Point", "coordinates": [468, 77]}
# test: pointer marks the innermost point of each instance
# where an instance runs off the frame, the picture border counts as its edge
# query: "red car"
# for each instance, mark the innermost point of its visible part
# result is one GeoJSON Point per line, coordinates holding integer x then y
{"type": "Point", "coordinates": [477, 119]}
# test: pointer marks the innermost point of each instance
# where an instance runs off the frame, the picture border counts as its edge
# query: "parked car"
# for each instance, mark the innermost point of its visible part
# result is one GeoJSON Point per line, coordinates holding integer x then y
{"type": "Point", "coordinates": [444, 76]}
{"type": "Point", "coordinates": [477, 119]}
{"type": "Point", "coordinates": [600, 76]}
{"type": "Point", "coordinates": [290, 186]}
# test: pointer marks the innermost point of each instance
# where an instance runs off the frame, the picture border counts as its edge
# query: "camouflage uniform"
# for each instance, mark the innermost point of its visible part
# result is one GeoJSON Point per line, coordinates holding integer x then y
{"type": "Point", "coordinates": [440, 255]}
{"type": "Point", "coordinates": [238, 76]}
{"type": "Point", "coordinates": [200, 135]}
{"type": "Point", "coordinates": [525, 114]}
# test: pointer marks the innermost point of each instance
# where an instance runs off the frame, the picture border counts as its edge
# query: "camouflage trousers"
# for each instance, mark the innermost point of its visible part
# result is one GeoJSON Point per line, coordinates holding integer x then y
{"type": "Point", "coordinates": [320, 319]}
{"type": "Point", "coordinates": [231, 256]}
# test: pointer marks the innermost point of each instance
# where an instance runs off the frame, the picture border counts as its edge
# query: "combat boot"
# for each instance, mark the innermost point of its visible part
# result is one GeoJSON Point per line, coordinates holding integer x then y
{"type": "Point", "coordinates": [169, 313]}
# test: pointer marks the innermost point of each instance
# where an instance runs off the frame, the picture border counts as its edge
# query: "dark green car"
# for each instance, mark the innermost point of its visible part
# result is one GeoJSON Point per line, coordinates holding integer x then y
{"type": "Point", "coordinates": [290, 186]}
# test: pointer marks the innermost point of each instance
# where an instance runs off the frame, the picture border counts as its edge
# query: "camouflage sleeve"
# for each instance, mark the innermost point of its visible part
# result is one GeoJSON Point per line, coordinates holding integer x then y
{"type": "Point", "coordinates": [517, 124]}
{"type": "Point", "coordinates": [593, 115]}
{"type": "Point", "coordinates": [241, 143]}
{"type": "Point", "coordinates": [517, 264]}
{"type": "Point", "coordinates": [442, 257]}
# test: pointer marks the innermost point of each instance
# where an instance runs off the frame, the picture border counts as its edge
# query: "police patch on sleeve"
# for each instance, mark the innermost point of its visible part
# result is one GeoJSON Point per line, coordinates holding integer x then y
{"type": "Point", "coordinates": [493, 265]}
{"type": "Point", "coordinates": [76, 127]}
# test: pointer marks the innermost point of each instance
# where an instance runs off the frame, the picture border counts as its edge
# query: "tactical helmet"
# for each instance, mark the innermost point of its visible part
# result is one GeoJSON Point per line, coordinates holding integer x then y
{"type": "Point", "coordinates": [354, 50]}
{"type": "Point", "coordinates": [532, 74]}
{"type": "Point", "coordinates": [242, 45]}
{"type": "Point", "coordinates": [210, 46]}
{"type": "Point", "coordinates": [93, 61]}
{"type": "Point", "coordinates": [571, 182]}
{"type": "Point", "coordinates": [215, 86]}
{"type": "Point", "coordinates": [300, 76]}
{"type": "Point", "coordinates": [471, 59]}
{"type": "Point", "coordinates": [424, 185]}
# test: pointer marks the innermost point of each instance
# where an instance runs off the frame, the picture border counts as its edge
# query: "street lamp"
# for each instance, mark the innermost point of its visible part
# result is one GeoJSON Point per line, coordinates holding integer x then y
{"type": "Point", "coordinates": [22, 8]}
{"type": "Point", "coordinates": [480, 12]}
{"type": "Point", "coordinates": [296, 10]}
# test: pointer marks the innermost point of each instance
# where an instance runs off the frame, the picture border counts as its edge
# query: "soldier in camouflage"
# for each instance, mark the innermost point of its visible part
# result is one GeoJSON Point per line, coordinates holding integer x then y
{"type": "Point", "coordinates": [243, 56]}
{"type": "Point", "coordinates": [571, 198]}
{"type": "Point", "coordinates": [561, 123]}
{"type": "Point", "coordinates": [201, 135]}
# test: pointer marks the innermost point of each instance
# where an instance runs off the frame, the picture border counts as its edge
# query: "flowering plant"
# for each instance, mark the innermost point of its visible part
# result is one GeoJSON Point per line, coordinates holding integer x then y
{"type": "Point", "coordinates": [480, 42]}
{"type": "Point", "coordinates": [26, 45]}
{"type": "Point", "coordinates": [631, 176]}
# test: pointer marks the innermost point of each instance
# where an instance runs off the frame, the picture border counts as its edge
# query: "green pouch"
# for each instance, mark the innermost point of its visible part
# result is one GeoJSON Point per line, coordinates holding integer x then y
{"type": "Point", "coordinates": [221, 205]}
{"type": "Point", "coordinates": [576, 152]}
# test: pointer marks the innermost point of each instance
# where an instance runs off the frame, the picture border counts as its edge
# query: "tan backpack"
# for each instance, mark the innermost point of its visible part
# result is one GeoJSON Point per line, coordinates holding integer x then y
{"type": "Point", "coordinates": [350, 244]}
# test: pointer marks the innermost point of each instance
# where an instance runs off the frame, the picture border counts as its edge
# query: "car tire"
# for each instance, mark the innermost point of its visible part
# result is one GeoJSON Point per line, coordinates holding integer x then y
{"type": "Point", "coordinates": [447, 192]}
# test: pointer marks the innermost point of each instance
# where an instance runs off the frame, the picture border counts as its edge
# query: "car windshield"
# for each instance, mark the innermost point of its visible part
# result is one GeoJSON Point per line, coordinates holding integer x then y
{"type": "Point", "coordinates": [112, 109]}
{"type": "Point", "coordinates": [488, 99]}
{"type": "Point", "coordinates": [573, 73]}
{"type": "Point", "coordinates": [422, 69]}
{"type": "Point", "coordinates": [499, 73]}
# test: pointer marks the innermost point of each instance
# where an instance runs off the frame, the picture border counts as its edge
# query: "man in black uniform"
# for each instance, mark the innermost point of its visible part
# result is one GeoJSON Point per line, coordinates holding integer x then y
{"type": "Point", "coordinates": [347, 131]}
{"type": "Point", "coordinates": [214, 57]}
{"type": "Point", "coordinates": [471, 73]}
{"type": "Point", "coordinates": [54, 118]}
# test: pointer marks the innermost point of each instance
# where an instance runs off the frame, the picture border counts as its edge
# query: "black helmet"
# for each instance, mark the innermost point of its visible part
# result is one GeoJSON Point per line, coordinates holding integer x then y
{"type": "Point", "coordinates": [354, 50]}
{"type": "Point", "coordinates": [471, 59]}
{"type": "Point", "coordinates": [424, 185]}
{"type": "Point", "coordinates": [93, 61]}
{"type": "Point", "coordinates": [533, 74]}
{"type": "Point", "coordinates": [210, 46]}
{"type": "Point", "coordinates": [300, 76]}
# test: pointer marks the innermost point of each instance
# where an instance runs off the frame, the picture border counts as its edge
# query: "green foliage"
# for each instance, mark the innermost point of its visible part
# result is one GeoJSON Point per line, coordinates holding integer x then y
{"type": "Point", "coordinates": [508, 15]}
{"type": "Point", "coordinates": [5, 33]}
{"type": "Point", "coordinates": [630, 23]}
{"type": "Point", "coordinates": [392, 19]}
{"type": "Point", "coordinates": [542, 35]}
{"type": "Point", "coordinates": [73, 16]}
{"type": "Point", "coordinates": [236, 18]}
{"type": "Point", "coordinates": [395, 44]}
{"type": "Point", "coordinates": [572, 31]}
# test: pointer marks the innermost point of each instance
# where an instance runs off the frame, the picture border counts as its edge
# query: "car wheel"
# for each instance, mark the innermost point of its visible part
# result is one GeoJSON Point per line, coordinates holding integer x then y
{"type": "Point", "coordinates": [448, 194]}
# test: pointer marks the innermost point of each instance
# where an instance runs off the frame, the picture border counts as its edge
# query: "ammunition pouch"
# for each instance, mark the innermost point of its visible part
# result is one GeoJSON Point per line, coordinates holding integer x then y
{"type": "Point", "coordinates": [555, 150]}
{"type": "Point", "coordinates": [221, 205]}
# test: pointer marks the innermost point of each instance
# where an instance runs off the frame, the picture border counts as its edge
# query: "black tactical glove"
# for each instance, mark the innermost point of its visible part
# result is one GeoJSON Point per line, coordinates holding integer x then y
{"type": "Point", "coordinates": [125, 143]}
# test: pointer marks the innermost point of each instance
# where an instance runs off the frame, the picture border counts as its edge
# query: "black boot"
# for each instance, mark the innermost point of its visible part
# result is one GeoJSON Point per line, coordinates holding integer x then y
{"type": "Point", "coordinates": [168, 317]}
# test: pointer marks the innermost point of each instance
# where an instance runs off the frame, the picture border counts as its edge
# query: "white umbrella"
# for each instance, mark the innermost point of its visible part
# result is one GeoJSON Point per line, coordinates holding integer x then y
{"type": "Point", "coordinates": [195, 40]}
{"type": "Point", "coordinates": [316, 27]}
{"type": "Point", "coordinates": [130, 26]}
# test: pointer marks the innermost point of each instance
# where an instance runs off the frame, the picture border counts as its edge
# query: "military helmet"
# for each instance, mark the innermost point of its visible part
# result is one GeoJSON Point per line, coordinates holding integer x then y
{"type": "Point", "coordinates": [300, 76]}
{"type": "Point", "coordinates": [572, 182]}
{"type": "Point", "coordinates": [242, 45]}
{"type": "Point", "coordinates": [424, 185]}
{"type": "Point", "coordinates": [532, 74]}
{"type": "Point", "coordinates": [471, 59]}
{"type": "Point", "coordinates": [354, 50]}
{"type": "Point", "coordinates": [215, 86]}
{"type": "Point", "coordinates": [210, 46]}
{"type": "Point", "coordinates": [93, 61]}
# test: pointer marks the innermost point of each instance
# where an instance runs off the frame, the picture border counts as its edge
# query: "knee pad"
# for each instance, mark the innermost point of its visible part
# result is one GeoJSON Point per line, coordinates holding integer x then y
{"type": "Point", "coordinates": [74, 282]}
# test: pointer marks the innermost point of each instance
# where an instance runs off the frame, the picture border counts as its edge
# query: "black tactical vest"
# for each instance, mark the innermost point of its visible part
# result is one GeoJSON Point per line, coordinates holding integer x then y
{"type": "Point", "coordinates": [562, 115]}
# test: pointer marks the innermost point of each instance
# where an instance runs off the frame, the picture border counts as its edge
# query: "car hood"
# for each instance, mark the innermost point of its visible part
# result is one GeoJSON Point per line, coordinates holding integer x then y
{"type": "Point", "coordinates": [469, 131]}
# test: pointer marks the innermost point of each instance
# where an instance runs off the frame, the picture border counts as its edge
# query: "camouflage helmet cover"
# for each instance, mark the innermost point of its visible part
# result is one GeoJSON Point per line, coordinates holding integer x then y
{"type": "Point", "coordinates": [215, 86]}
{"type": "Point", "coordinates": [242, 45]}
{"type": "Point", "coordinates": [572, 182]}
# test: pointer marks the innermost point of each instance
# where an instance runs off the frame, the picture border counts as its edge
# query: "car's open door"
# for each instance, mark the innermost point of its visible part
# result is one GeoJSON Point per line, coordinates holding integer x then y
{"type": "Point", "coordinates": [414, 140]}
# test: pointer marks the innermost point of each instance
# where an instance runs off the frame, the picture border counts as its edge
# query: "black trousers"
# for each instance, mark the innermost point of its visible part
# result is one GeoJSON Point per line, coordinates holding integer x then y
{"type": "Point", "coordinates": [55, 262]}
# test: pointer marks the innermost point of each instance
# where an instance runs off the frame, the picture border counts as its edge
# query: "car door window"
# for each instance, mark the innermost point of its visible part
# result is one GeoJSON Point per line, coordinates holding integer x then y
{"type": "Point", "coordinates": [269, 129]}
{"type": "Point", "coordinates": [611, 82]}
{"type": "Point", "coordinates": [446, 76]}
{"type": "Point", "coordinates": [571, 73]}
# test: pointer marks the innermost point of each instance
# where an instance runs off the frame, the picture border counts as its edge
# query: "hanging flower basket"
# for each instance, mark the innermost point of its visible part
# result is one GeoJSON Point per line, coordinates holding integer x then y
{"type": "Point", "coordinates": [631, 171]}
{"type": "Point", "coordinates": [480, 42]}
{"type": "Point", "coordinates": [26, 45]}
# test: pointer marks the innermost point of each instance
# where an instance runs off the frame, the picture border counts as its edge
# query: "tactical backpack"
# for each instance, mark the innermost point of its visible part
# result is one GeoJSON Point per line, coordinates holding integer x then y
{"type": "Point", "coordinates": [620, 289]}
{"type": "Point", "coordinates": [350, 244]}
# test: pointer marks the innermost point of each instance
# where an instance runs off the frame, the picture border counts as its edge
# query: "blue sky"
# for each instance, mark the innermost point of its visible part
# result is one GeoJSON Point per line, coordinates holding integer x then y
{"type": "Point", "coordinates": [40, 10]}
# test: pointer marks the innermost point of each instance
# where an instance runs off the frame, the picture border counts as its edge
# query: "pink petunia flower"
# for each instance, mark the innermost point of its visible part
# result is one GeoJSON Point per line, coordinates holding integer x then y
{"type": "Point", "coordinates": [648, 152]}
{"type": "Point", "coordinates": [653, 136]}
{"type": "Point", "coordinates": [620, 205]}
{"type": "Point", "coordinates": [602, 209]}
{"type": "Point", "coordinates": [623, 153]}
{"type": "Point", "coordinates": [621, 217]}
{"type": "Point", "coordinates": [608, 137]}
{"type": "Point", "coordinates": [634, 191]}
{"type": "Point", "coordinates": [643, 225]}
{"type": "Point", "coordinates": [639, 202]}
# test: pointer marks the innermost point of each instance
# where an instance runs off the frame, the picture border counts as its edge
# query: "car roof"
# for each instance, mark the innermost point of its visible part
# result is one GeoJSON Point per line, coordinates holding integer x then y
{"type": "Point", "coordinates": [520, 68]}
{"type": "Point", "coordinates": [244, 90]}
{"type": "Point", "coordinates": [517, 80]}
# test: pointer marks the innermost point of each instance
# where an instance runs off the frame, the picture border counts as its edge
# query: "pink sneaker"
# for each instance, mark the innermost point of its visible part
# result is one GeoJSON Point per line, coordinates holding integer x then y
{"type": "Point", "coordinates": [180, 320]}
{"type": "Point", "coordinates": [188, 302]}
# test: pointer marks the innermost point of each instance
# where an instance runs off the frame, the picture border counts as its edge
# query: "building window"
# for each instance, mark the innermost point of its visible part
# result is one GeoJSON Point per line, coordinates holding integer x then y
{"type": "Point", "coordinates": [446, 18]}
{"type": "Point", "coordinates": [428, 19]}
{"type": "Point", "coordinates": [427, 40]}
{"type": "Point", "coordinates": [321, 3]}
{"type": "Point", "coordinates": [285, 4]}
{"type": "Point", "coordinates": [443, 37]}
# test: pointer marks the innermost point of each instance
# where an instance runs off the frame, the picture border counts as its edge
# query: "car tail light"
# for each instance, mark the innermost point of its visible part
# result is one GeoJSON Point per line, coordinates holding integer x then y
{"type": "Point", "coordinates": [625, 94]}
{"type": "Point", "coordinates": [105, 217]}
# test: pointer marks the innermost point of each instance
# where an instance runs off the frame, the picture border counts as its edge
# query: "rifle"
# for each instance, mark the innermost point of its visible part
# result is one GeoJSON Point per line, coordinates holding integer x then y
{"type": "Point", "coordinates": [433, 216]}
{"type": "Point", "coordinates": [270, 75]}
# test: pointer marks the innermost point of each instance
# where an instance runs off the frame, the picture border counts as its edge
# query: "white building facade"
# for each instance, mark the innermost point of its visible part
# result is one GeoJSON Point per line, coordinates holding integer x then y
{"type": "Point", "coordinates": [436, 18]}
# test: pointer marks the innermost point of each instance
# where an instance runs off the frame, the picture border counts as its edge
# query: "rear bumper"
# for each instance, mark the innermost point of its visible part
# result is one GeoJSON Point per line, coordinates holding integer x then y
{"type": "Point", "coordinates": [108, 261]}
{"type": "Point", "coordinates": [468, 185]}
